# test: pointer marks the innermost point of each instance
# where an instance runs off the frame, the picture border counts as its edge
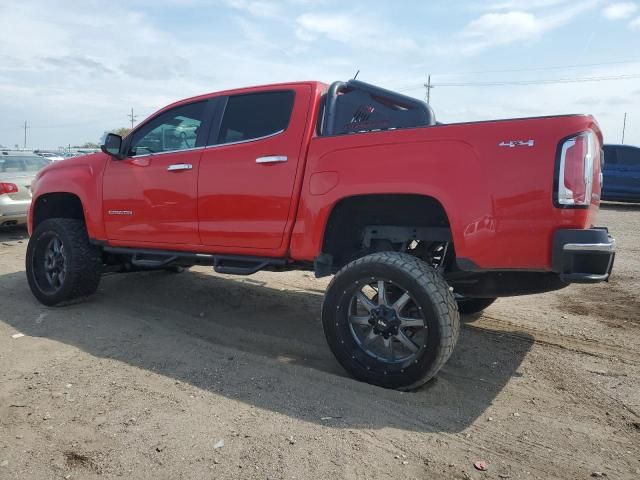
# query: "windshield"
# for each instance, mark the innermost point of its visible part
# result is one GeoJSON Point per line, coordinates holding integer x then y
{"type": "Point", "coordinates": [21, 163]}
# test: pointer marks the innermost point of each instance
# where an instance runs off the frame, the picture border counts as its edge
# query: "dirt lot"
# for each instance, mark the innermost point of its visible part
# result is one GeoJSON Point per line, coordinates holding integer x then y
{"type": "Point", "coordinates": [147, 378]}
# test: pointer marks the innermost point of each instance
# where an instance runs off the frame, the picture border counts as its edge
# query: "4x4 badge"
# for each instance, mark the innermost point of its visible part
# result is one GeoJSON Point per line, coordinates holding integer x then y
{"type": "Point", "coordinates": [516, 143]}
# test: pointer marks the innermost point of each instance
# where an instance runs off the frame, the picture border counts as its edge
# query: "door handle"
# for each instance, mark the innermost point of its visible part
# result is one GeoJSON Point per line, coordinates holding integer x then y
{"type": "Point", "coordinates": [179, 166]}
{"type": "Point", "coordinates": [272, 159]}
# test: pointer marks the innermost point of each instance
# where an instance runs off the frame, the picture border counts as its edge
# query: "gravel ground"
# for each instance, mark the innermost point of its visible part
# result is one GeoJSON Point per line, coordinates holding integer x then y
{"type": "Point", "coordinates": [199, 375]}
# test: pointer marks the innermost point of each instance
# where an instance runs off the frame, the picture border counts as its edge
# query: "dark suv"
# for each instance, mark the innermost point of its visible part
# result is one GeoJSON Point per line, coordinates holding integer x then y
{"type": "Point", "coordinates": [621, 173]}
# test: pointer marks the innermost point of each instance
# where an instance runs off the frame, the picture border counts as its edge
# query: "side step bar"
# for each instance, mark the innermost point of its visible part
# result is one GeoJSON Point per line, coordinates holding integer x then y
{"type": "Point", "coordinates": [157, 261]}
{"type": "Point", "coordinates": [229, 264]}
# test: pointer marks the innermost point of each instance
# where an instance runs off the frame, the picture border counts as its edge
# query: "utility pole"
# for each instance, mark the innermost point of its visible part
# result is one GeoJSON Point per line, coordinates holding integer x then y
{"type": "Point", "coordinates": [132, 117]}
{"type": "Point", "coordinates": [25, 134]}
{"type": "Point", "coordinates": [428, 86]}
{"type": "Point", "coordinates": [624, 126]}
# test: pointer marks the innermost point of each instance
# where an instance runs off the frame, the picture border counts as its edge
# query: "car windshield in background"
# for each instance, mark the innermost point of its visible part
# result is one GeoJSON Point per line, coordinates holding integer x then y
{"type": "Point", "coordinates": [9, 164]}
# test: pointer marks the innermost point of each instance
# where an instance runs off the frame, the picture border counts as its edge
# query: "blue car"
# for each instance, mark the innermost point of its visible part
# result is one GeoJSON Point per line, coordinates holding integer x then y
{"type": "Point", "coordinates": [621, 173]}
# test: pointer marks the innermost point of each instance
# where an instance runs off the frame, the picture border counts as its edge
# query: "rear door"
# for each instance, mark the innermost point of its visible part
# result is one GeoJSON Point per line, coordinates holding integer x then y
{"type": "Point", "coordinates": [247, 171]}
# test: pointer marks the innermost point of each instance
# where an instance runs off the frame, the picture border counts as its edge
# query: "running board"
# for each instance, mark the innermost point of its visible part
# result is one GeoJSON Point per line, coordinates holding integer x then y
{"type": "Point", "coordinates": [147, 261]}
{"type": "Point", "coordinates": [239, 266]}
{"type": "Point", "coordinates": [229, 264]}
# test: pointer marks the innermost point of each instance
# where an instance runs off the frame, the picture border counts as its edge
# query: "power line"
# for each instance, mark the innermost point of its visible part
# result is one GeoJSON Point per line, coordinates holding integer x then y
{"type": "Point", "coordinates": [132, 117]}
{"type": "Point", "coordinates": [25, 134]}
{"type": "Point", "coordinates": [539, 69]}
{"type": "Point", "coordinates": [525, 82]}
{"type": "Point", "coordinates": [95, 121]}
{"type": "Point", "coordinates": [428, 86]}
{"type": "Point", "coordinates": [542, 82]}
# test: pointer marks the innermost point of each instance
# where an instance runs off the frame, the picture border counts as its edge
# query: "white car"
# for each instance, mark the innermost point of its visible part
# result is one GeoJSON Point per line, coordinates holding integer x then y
{"type": "Point", "coordinates": [17, 171]}
{"type": "Point", "coordinates": [54, 157]}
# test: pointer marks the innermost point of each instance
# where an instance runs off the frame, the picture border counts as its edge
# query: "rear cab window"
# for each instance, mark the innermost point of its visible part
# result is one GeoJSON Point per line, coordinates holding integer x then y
{"type": "Point", "coordinates": [357, 107]}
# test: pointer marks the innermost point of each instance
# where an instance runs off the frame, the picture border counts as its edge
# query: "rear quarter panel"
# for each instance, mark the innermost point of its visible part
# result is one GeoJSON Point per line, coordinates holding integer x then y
{"type": "Point", "coordinates": [499, 200]}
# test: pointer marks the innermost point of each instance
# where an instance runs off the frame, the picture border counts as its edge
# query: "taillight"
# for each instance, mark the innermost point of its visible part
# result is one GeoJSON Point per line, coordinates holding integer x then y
{"type": "Point", "coordinates": [8, 188]}
{"type": "Point", "coordinates": [575, 175]}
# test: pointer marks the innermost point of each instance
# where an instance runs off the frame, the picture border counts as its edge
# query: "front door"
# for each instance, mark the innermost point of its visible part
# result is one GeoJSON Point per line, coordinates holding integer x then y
{"type": "Point", "coordinates": [150, 197]}
{"type": "Point", "coordinates": [247, 173]}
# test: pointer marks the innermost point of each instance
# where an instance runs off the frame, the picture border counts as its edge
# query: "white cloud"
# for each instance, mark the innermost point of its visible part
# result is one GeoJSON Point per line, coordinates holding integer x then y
{"type": "Point", "coordinates": [522, 4]}
{"type": "Point", "coordinates": [337, 26]}
{"type": "Point", "coordinates": [353, 30]}
{"type": "Point", "coordinates": [256, 8]}
{"type": "Point", "coordinates": [635, 23]}
{"type": "Point", "coordinates": [504, 28]}
{"type": "Point", "coordinates": [619, 11]}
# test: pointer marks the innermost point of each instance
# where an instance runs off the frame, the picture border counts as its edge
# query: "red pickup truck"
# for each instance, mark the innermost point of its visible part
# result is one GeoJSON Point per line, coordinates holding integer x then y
{"type": "Point", "coordinates": [418, 220]}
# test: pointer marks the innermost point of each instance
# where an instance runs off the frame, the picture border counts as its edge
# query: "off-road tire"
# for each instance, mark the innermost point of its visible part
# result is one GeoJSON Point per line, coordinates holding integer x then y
{"type": "Point", "coordinates": [473, 306]}
{"type": "Point", "coordinates": [431, 293]}
{"type": "Point", "coordinates": [83, 261]}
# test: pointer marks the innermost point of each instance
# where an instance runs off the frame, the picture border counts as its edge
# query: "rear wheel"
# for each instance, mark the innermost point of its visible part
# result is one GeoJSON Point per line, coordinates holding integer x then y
{"type": "Point", "coordinates": [61, 264]}
{"type": "Point", "coordinates": [390, 320]}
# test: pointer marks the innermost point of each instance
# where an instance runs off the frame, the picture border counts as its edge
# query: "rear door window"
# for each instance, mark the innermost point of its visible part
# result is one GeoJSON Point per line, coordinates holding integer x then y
{"type": "Point", "coordinates": [255, 115]}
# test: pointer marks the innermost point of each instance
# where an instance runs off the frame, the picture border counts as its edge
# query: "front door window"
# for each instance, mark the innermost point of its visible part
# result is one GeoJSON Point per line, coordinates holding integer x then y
{"type": "Point", "coordinates": [174, 130]}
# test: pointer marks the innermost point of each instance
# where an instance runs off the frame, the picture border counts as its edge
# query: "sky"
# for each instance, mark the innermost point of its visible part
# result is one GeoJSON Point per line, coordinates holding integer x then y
{"type": "Point", "coordinates": [72, 69]}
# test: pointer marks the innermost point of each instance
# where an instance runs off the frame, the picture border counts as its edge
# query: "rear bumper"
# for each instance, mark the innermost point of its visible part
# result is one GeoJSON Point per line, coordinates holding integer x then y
{"type": "Point", "coordinates": [583, 256]}
{"type": "Point", "coordinates": [17, 219]}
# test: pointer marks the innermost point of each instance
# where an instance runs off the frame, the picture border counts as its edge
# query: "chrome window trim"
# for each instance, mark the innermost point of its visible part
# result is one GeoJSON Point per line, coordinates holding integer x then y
{"type": "Point", "coordinates": [213, 146]}
{"type": "Point", "coordinates": [247, 140]}
{"type": "Point", "coordinates": [167, 151]}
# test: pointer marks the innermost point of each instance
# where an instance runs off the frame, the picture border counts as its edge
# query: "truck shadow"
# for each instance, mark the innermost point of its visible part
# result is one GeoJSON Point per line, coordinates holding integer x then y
{"type": "Point", "coordinates": [263, 346]}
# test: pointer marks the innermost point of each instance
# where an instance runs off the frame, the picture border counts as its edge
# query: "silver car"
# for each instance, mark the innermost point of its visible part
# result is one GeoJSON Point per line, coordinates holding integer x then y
{"type": "Point", "coordinates": [17, 171]}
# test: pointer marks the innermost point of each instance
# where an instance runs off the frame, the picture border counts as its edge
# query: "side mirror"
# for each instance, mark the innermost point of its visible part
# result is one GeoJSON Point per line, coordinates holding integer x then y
{"type": "Point", "coordinates": [111, 144]}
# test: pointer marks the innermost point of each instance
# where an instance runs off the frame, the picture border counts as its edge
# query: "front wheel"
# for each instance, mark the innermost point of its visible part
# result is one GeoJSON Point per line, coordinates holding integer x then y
{"type": "Point", "coordinates": [61, 264]}
{"type": "Point", "coordinates": [390, 320]}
